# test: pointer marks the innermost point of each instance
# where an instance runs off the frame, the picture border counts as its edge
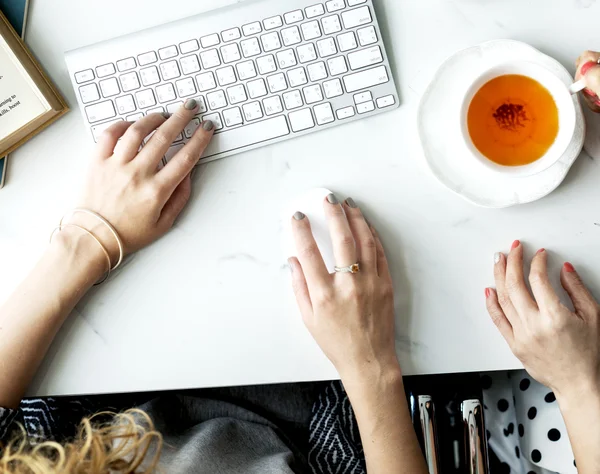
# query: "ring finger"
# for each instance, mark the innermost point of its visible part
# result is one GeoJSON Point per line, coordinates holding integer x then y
{"type": "Point", "coordinates": [344, 246]}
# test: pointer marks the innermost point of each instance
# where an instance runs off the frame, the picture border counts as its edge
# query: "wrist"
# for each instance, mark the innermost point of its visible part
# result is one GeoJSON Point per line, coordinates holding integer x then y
{"type": "Point", "coordinates": [583, 392]}
{"type": "Point", "coordinates": [372, 376]}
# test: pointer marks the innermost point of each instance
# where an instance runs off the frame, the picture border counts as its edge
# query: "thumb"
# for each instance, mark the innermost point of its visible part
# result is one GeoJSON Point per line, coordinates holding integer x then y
{"type": "Point", "coordinates": [583, 302]}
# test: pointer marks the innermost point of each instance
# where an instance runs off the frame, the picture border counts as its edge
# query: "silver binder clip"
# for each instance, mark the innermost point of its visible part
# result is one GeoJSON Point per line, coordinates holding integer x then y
{"type": "Point", "coordinates": [428, 428]}
{"type": "Point", "coordinates": [476, 457]}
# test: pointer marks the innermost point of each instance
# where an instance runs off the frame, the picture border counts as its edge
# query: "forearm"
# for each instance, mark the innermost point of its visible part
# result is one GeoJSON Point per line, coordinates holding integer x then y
{"type": "Point", "coordinates": [386, 429]}
{"type": "Point", "coordinates": [32, 316]}
{"type": "Point", "coordinates": [580, 409]}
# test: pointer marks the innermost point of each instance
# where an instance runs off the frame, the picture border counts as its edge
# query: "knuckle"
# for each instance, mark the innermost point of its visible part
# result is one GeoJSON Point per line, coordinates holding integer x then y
{"type": "Point", "coordinates": [112, 133]}
{"type": "Point", "coordinates": [310, 251]}
{"type": "Point", "coordinates": [324, 296]}
{"type": "Point", "coordinates": [369, 243]}
{"type": "Point", "coordinates": [512, 285]}
{"type": "Point", "coordinates": [504, 300]}
{"type": "Point", "coordinates": [188, 158]}
{"type": "Point", "coordinates": [161, 139]}
{"type": "Point", "coordinates": [346, 240]}
{"type": "Point", "coordinates": [536, 276]}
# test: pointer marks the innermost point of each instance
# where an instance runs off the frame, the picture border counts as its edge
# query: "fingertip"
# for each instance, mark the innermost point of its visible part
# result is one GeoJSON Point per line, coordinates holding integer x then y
{"type": "Point", "coordinates": [569, 268]}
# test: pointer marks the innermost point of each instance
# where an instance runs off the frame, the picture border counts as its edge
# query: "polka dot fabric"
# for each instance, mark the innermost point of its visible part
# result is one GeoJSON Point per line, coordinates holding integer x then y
{"type": "Point", "coordinates": [525, 427]}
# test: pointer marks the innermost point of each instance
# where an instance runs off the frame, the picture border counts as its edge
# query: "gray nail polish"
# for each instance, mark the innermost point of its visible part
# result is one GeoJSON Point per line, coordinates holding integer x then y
{"type": "Point", "coordinates": [166, 115]}
{"type": "Point", "coordinates": [332, 199]}
{"type": "Point", "coordinates": [190, 104]}
{"type": "Point", "coordinates": [208, 125]}
{"type": "Point", "coordinates": [299, 216]}
{"type": "Point", "coordinates": [351, 203]}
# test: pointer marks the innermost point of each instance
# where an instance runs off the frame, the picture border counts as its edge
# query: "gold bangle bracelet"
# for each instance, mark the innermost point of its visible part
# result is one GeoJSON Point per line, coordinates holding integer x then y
{"type": "Point", "coordinates": [107, 224]}
{"type": "Point", "coordinates": [62, 226]}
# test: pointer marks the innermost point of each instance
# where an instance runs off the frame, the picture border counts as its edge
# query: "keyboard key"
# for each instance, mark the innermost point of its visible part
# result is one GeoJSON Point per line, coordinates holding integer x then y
{"type": "Point", "coordinates": [100, 111]}
{"type": "Point", "coordinates": [250, 47]}
{"type": "Point", "coordinates": [231, 35]}
{"type": "Point", "coordinates": [185, 87]}
{"type": "Point", "coordinates": [347, 41]}
{"type": "Point", "coordinates": [313, 94]}
{"type": "Point", "coordinates": [314, 11]}
{"type": "Point", "coordinates": [165, 93]}
{"type": "Point", "coordinates": [257, 88]}
{"type": "Point", "coordinates": [358, 17]}
{"type": "Point", "coordinates": [306, 53]}
{"type": "Point", "coordinates": [273, 22]}
{"type": "Point", "coordinates": [135, 117]}
{"type": "Point", "coordinates": [345, 113]}
{"type": "Point", "coordinates": [337, 66]}
{"type": "Point", "coordinates": [233, 117]}
{"type": "Point", "coordinates": [155, 110]}
{"type": "Point", "coordinates": [191, 127]}
{"type": "Point", "coordinates": [367, 36]}
{"type": "Point", "coordinates": [363, 97]}
{"type": "Point", "coordinates": [125, 104]}
{"type": "Point", "coordinates": [216, 120]}
{"type": "Point", "coordinates": [326, 47]}
{"type": "Point", "coordinates": [286, 59]}
{"type": "Point", "coordinates": [125, 64]}
{"type": "Point", "coordinates": [297, 77]}
{"type": "Point", "coordinates": [353, 3]}
{"type": "Point", "coordinates": [170, 70]}
{"type": "Point", "coordinates": [323, 113]}
{"type": "Point", "coordinates": [105, 70]}
{"type": "Point", "coordinates": [248, 135]}
{"type": "Point", "coordinates": [168, 52]}
{"type": "Point", "coordinates": [129, 81]}
{"type": "Point", "coordinates": [230, 53]}
{"type": "Point", "coordinates": [253, 111]}
{"type": "Point", "coordinates": [365, 57]}
{"type": "Point", "coordinates": [246, 70]}
{"type": "Point", "coordinates": [216, 100]}
{"type": "Point", "coordinates": [237, 94]}
{"type": "Point", "coordinates": [226, 76]}
{"type": "Point", "coordinates": [98, 129]}
{"type": "Point", "coordinates": [335, 5]}
{"type": "Point", "coordinates": [293, 17]}
{"type": "Point", "coordinates": [201, 105]}
{"type": "Point", "coordinates": [210, 58]}
{"type": "Point", "coordinates": [266, 64]}
{"type": "Point", "coordinates": [277, 83]}
{"type": "Point", "coordinates": [189, 64]}
{"type": "Point", "coordinates": [110, 87]}
{"type": "Point", "coordinates": [365, 79]}
{"type": "Point", "coordinates": [317, 71]}
{"type": "Point", "coordinates": [365, 107]}
{"type": "Point", "coordinates": [147, 58]}
{"type": "Point", "coordinates": [333, 88]}
{"type": "Point", "coordinates": [189, 46]}
{"type": "Point", "coordinates": [273, 105]}
{"type": "Point", "coordinates": [206, 81]}
{"type": "Point", "coordinates": [270, 42]}
{"type": "Point", "coordinates": [301, 120]}
{"type": "Point", "coordinates": [252, 29]}
{"type": "Point", "coordinates": [84, 76]}
{"type": "Point", "coordinates": [331, 24]}
{"type": "Point", "coordinates": [311, 30]}
{"type": "Point", "coordinates": [149, 76]}
{"type": "Point", "coordinates": [291, 36]}
{"type": "Point", "coordinates": [293, 100]}
{"type": "Point", "coordinates": [172, 107]}
{"type": "Point", "coordinates": [210, 41]}
{"type": "Point", "coordinates": [386, 101]}
{"type": "Point", "coordinates": [145, 98]}
{"type": "Point", "coordinates": [89, 93]}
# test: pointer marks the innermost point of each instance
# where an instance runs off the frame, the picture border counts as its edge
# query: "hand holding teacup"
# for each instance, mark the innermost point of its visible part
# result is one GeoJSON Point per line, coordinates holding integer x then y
{"type": "Point", "coordinates": [588, 69]}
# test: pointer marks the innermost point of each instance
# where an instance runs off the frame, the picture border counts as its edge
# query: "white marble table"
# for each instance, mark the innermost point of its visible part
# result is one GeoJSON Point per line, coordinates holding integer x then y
{"type": "Point", "coordinates": [210, 305]}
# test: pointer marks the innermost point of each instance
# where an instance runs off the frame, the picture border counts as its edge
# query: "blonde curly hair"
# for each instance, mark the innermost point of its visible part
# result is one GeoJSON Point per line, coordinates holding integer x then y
{"type": "Point", "coordinates": [118, 446]}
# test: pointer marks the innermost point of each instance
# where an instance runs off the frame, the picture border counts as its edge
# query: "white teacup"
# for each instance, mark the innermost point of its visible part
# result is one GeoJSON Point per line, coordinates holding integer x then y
{"type": "Point", "coordinates": [566, 116]}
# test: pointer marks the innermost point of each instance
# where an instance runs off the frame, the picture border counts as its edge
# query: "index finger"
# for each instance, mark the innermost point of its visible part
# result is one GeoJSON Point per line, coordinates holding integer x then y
{"type": "Point", "coordinates": [515, 281]}
{"type": "Point", "coordinates": [544, 294]}
{"type": "Point", "coordinates": [309, 255]}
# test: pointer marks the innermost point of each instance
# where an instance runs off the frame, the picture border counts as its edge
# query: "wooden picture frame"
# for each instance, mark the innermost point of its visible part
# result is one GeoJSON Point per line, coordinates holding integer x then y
{"type": "Point", "coordinates": [54, 104]}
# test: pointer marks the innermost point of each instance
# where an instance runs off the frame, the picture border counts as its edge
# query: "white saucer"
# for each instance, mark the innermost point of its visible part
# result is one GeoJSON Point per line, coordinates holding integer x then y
{"type": "Point", "coordinates": [443, 144]}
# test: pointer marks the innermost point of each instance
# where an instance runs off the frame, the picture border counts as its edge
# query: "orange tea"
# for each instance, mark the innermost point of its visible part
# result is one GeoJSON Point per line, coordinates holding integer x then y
{"type": "Point", "coordinates": [513, 120]}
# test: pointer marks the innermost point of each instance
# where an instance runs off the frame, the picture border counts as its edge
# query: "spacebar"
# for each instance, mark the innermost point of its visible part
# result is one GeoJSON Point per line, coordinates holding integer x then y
{"type": "Point", "coordinates": [247, 135]}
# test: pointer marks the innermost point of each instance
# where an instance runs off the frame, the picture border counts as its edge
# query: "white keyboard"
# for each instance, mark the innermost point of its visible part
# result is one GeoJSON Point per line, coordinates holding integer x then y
{"type": "Point", "coordinates": [263, 71]}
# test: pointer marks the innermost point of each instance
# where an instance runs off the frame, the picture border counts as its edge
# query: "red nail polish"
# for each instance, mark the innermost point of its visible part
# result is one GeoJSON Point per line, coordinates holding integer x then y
{"type": "Point", "coordinates": [540, 251]}
{"type": "Point", "coordinates": [587, 66]}
{"type": "Point", "coordinates": [515, 244]}
{"type": "Point", "coordinates": [487, 293]}
{"type": "Point", "coordinates": [589, 92]}
{"type": "Point", "coordinates": [569, 268]}
{"type": "Point", "coordinates": [597, 102]}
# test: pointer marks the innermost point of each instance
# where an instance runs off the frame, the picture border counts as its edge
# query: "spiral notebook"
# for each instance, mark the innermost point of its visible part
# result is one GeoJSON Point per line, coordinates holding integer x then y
{"type": "Point", "coordinates": [16, 13]}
